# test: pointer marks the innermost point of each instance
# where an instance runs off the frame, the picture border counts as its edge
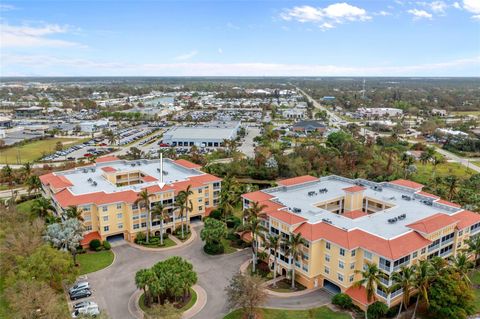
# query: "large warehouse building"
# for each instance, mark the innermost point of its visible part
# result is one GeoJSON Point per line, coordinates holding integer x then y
{"type": "Point", "coordinates": [204, 135]}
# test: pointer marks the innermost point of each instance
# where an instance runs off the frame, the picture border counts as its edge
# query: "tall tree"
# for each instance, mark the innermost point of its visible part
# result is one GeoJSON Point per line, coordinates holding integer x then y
{"type": "Point", "coordinates": [254, 225]}
{"type": "Point", "coordinates": [272, 243]}
{"type": "Point", "coordinates": [371, 277]}
{"type": "Point", "coordinates": [462, 265]}
{"type": "Point", "coordinates": [294, 250]}
{"type": "Point", "coordinates": [424, 274]}
{"type": "Point", "coordinates": [42, 207]}
{"type": "Point", "coordinates": [405, 280]}
{"type": "Point", "coordinates": [188, 205]}
{"type": "Point", "coordinates": [74, 212]}
{"type": "Point", "coordinates": [144, 200]}
{"type": "Point", "coordinates": [247, 293]}
{"type": "Point", "coordinates": [33, 184]}
{"type": "Point", "coordinates": [66, 236]}
{"type": "Point", "coordinates": [474, 248]}
{"type": "Point", "coordinates": [452, 186]}
{"type": "Point", "coordinates": [161, 213]}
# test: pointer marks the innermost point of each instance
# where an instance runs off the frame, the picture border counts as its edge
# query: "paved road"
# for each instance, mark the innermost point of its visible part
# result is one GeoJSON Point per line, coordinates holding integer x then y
{"type": "Point", "coordinates": [465, 162]}
{"type": "Point", "coordinates": [247, 147]}
{"type": "Point", "coordinates": [333, 119]}
{"type": "Point", "coordinates": [313, 299]}
{"type": "Point", "coordinates": [113, 286]}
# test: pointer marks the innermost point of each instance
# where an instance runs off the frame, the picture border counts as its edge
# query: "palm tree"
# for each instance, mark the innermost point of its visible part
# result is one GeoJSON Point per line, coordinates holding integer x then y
{"type": "Point", "coordinates": [142, 278]}
{"type": "Point", "coordinates": [161, 213]}
{"type": "Point", "coordinates": [33, 184]}
{"type": "Point", "coordinates": [27, 170]}
{"type": "Point", "coordinates": [73, 212]}
{"type": "Point", "coordinates": [424, 273]}
{"type": "Point", "coordinates": [371, 276]}
{"type": "Point", "coordinates": [254, 225]}
{"type": "Point", "coordinates": [294, 250]}
{"type": "Point", "coordinates": [404, 279]}
{"type": "Point", "coordinates": [273, 243]}
{"type": "Point", "coordinates": [144, 198]}
{"type": "Point", "coordinates": [42, 207]}
{"type": "Point", "coordinates": [436, 160]}
{"type": "Point", "coordinates": [462, 265]}
{"type": "Point", "coordinates": [255, 210]}
{"type": "Point", "coordinates": [452, 185]}
{"type": "Point", "coordinates": [474, 247]}
{"type": "Point", "coordinates": [187, 204]}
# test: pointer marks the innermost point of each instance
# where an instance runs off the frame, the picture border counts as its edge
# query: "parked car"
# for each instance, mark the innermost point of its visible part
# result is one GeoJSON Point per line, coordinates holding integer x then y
{"type": "Point", "coordinates": [78, 294]}
{"type": "Point", "coordinates": [79, 286]}
{"type": "Point", "coordinates": [84, 304]}
{"type": "Point", "coordinates": [92, 311]}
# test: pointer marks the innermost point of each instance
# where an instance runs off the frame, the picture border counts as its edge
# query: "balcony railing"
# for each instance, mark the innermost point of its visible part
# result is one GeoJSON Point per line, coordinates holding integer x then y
{"type": "Point", "coordinates": [430, 249]}
{"type": "Point", "coordinates": [384, 267]}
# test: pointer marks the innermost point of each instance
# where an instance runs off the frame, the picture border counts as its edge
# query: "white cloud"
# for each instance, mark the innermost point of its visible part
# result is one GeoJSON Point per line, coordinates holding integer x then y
{"type": "Point", "coordinates": [437, 7]}
{"type": "Point", "coordinates": [456, 5]}
{"type": "Point", "coordinates": [186, 56]}
{"type": "Point", "coordinates": [382, 13]}
{"type": "Point", "coordinates": [49, 65]}
{"type": "Point", "coordinates": [6, 7]}
{"type": "Point", "coordinates": [420, 14]}
{"type": "Point", "coordinates": [327, 17]}
{"type": "Point", "coordinates": [29, 36]}
{"type": "Point", "coordinates": [472, 6]}
{"type": "Point", "coordinates": [220, 51]}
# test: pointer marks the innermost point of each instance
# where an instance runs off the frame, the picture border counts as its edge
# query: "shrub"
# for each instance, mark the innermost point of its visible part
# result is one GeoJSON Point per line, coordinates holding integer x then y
{"type": "Point", "coordinates": [186, 230]}
{"type": "Point", "coordinates": [392, 312]}
{"type": "Point", "coordinates": [342, 300]}
{"type": "Point", "coordinates": [233, 222]}
{"type": "Point", "coordinates": [377, 310]}
{"type": "Point", "coordinates": [106, 245]}
{"type": "Point", "coordinates": [214, 248]}
{"type": "Point", "coordinates": [94, 244]}
{"type": "Point", "coordinates": [217, 214]}
{"type": "Point", "coordinates": [99, 248]}
{"type": "Point", "coordinates": [140, 237]}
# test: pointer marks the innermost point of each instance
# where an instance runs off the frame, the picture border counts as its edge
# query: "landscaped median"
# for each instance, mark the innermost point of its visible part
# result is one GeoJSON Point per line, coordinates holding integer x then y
{"type": "Point", "coordinates": [169, 241]}
{"type": "Point", "coordinates": [321, 312]}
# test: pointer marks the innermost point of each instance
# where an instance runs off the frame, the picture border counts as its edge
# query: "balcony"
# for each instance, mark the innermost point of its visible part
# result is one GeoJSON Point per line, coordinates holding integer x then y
{"type": "Point", "coordinates": [384, 267]}
{"type": "Point", "coordinates": [430, 249]}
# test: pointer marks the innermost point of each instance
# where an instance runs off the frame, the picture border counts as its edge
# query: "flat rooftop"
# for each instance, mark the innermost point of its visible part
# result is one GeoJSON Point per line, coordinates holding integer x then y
{"type": "Point", "coordinates": [220, 130]}
{"type": "Point", "coordinates": [296, 196]}
{"type": "Point", "coordinates": [82, 178]}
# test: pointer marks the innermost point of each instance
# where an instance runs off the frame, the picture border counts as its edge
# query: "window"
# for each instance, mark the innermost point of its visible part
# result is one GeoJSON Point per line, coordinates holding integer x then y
{"type": "Point", "coordinates": [367, 255]}
{"type": "Point", "coordinates": [143, 215]}
{"type": "Point", "coordinates": [340, 276]}
{"type": "Point", "coordinates": [350, 279]}
{"type": "Point", "coordinates": [423, 251]}
{"type": "Point", "coordinates": [106, 228]}
{"type": "Point", "coordinates": [402, 261]}
{"type": "Point", "coordinates": [87, 218]}
{"type": "Point", "coordinates": [119, 205]}
{"type": "Point", "coordinates": [327, 258]}
{"type": "Point", "coordinates": [136, 226]}
{"type": "Point", "coordinates": [120, 226]}
{"type": "Point", "coordinates": [105, 218]}
{"type": "Point", "coordinates": [459, 244]}
{"type": "Point", "coordinates": [200, 199]}
{"type": "Point", "coordinates": [200, 207]}
{"type": "Point", "coordinates": [352, 265]}
{"type": "Point", "coordinates": [327, 270]}
{"type": "Point", "coordinates": [119, 216]}
{"type": "Point", "coordinates": [144, 225]}
{"type": "Point", "coordinates": [353, 253]}
{"type": "Point", "coordinates": [306, 244]}
{"type": "Point", "coordinates": [134, 206]}
{"type": "Point", "coordinates": [105, 208]}
{"type": "Point", "coordinates": [327, 245]}
{"type": "Point", "coordinates": [207, 203]}
{"type": "Point", "coordinates": [342, 252]}
{"type": "Point", "coordinates": [305, 267]}
{"type": "Point", "coordinates": [85, 208]}
{"type": "Point", "coordinates": [414, 255]}
{"type": "Point", "coordinates": [88, 228]}
{"type": "Point", "coordinates": [135, 217]}
{"type": "Point", "coordinates": [460, 233]}
{"type": "Point", "coordinates": [200, 190]}
{"type": "Point", "coordinates": [341, 264]}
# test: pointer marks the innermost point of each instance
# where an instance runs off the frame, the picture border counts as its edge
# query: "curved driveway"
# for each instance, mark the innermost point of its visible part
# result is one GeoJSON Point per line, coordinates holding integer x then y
{"type": "Point", "coordinates": [113, 286]}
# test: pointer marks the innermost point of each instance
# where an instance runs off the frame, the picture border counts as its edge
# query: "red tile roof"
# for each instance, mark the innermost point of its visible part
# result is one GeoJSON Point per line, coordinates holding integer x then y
{"type": "Point", "coordinates": [55, 181]}
{"type": "Point", "coordinates": [148, 178]}
{"type": "Point", "coordinates": [257, 196]}
{"type": "Point", "coordinates": [391, 249]}
{"type": "Point", "coordinates": [104, 159]}
{"type": "Point", "coordinates": [406, 183]}
{"type": "Point", "coordinates": [433, 223]}
{"type": "Point", "coordinates": [187, 164]}
{"type": "Point", "coordinates": [466, 218]}
{"type": "Point", "coordinates": [428, 194]}
{"type": "Point", "coordinates": [208, 210]}
{"type": "Point", "coordinates": [446, 202]}
{"type": "Point", "coordinates": [65, 198]}
{"type": "Point", "coordinates": [359, 294]}
{"type": "Point", "coordinates": [194, 181]}
{"type": "Point", "coordinates": [297, 180]}
{"type": "Point", "coordinates": [89, 237]}
{"type": "Point", "coordinates": [354, 189]}
{"type": "Point", "coordinates": [354, 214]}
{"type": "Point", "coordinates": [287, 217]}
{"type": "Point", "coordinates": [108, 169]}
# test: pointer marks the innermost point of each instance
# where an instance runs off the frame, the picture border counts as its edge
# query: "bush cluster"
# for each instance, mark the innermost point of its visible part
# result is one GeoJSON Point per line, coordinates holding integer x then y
{"type": "Point", "coordinates": [342, 300]}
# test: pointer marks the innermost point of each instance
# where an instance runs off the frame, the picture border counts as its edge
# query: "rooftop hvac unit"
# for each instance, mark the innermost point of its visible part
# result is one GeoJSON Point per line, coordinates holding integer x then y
{"type": "Point", "coordinates": [406, 197]}
{"type": "Point", "coordinates": [326, 220]}
{"type": "Point", "coordinates": [392, 220]}
{"type": "Point", "coordinates": [94, 183]}
{"type": "Point", "coordinates": [89, 180]}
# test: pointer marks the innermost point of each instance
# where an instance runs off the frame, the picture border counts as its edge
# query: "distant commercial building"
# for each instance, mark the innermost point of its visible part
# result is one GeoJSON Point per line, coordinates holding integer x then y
{"type": "Point", "coordinates": [328, 98]}
{"type": "Point", "coordinates": [107, 194]}
{"type": "Point", "coordinates": [452, 132]}
{"type": "Point", "coordinates": [93, 126]}
{"type": "Point", "coordinates": [347, 223]}
{"type": "Point", "coordinates": [294, 113]}
{"type": "Point", "coordinates": [438, 112]}
{"type": "Point", "coordinates": [5, 122]}
{"type": "Point", "coordinates": [207, 135]}
{"type": "Point", "coordinates": [36, 129]}
{"type": "Point", "coordinates": [379, 112]}
{"type": "Point", "coordinates": [32, 111]}
{"type": "Point", "coordinates": [309, 126]}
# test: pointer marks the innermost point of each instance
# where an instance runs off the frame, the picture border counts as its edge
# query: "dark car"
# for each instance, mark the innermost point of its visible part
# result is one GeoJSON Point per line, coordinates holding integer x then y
{"type": "Point", "coordinates": [77, 294]}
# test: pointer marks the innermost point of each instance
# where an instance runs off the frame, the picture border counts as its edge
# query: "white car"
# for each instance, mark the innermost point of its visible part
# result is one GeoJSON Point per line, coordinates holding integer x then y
{"type": "Point", "coordinates": [92, 311]}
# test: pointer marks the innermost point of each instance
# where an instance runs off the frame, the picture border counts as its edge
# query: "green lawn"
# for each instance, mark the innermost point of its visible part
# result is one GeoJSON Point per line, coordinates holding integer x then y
{"type": "Point", "coordinates": [285, 286]}
{"type": "Point", "coordinates": [320, 313]}
{"type": "Point", "coordinates": [26, 206]}
{"type": "Point", "coordinates": [3, 302]}
{"type": "Point", "coordinates": [167, 242]}
{"type": "Point", "coordinates": [228, 248]}
{"type": "Point", "coordinates": [32, 151]}
{"type": "Point", "coordinates": [425, 172]}
{"type": "Point", "coordinates": [188, 305]}
{"type": "Point", "coordinates": [91, 262]}
{"type": "Point", "coordinates": [475, 277]}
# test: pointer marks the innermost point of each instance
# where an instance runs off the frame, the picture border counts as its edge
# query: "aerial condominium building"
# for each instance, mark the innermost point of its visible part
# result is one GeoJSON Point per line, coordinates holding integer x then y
{"type": "Point", "coordinates": [107, 194]}
{"type": "Point", "coordinates": [346, 223]}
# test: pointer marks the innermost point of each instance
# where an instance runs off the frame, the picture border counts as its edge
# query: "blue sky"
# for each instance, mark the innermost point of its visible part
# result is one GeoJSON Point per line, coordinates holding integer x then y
{"type": "Point", "coordinates": [259, 38]}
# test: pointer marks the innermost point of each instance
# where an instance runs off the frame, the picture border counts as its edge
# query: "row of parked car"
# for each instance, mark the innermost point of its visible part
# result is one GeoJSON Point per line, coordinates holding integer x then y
{"type": "Point", "coordinates": [63, 153]}
{"type": "Point", "coordinates": [84, 308]}
{"type": "Point", "coordinates": [130, 135]}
